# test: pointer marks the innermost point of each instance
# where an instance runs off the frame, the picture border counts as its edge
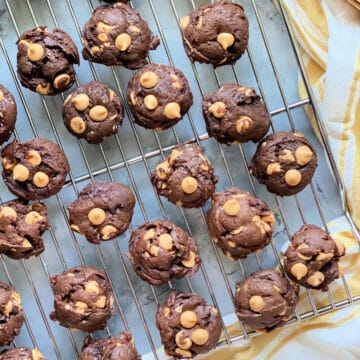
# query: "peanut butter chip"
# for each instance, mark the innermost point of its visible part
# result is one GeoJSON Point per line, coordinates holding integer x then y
{"type": "Point", "coordinates": [123, 41]}
{"type": "Point", "coordinates": [184, 22]}
{"type": "Point", "coordinates": [182, 341]}
{"type": "Point", "coordinates": [287, 155]}
{"type": "Point", "coordinates": [77, 125]}
{"type": "Point", "coordinates": [174, 154]}
{"type": "Point", "coordinates": [218, 109]}
{"type": "Point", "coordinates": [61, 81]}
{"type": "Point", "coordinates": [149, 234]}
{"type": "Point", "coordinates": [20, 173]}
{"type": "Point", "coordinates": [80, 307]}
{"type": "Point", "coordinates": [102, 37]}
{"type": "Point", "coordinates": [33, 217]}
{"type": "Point", "coordinates": [243, 124]}
{"type": "Point", "coordinates": [162, 170]}
{"type": "Point", "coordinates": [102, 27]}
{"type": "Point", "coordinates": [154, 250]}
{"type": "Point", "coordinates": [151, 102]}
{"type": "Point", "coordinates": [92, 287]}
{"type": "Point", "coordinates": [40, 179]}
{"type": "Point", "coordinates": [81, 102]}
{"type": "Point", "coordinates": [200, 336]}
{"type": "Point", "coordinates": [37, 355]}
{"type": "Point", "coordinates": [7, 164]}
{"type": "Point", "coordinates": [293, 177]}
{"type": "Point", "coordinates": [303, 155]}
{"type": "Point", "coordinates": [43, 90]}
{"type": "Point", "coordinates": [231, 207]}
{"type": "Point", "coordinates": [189, 185]}
{"type": "Point", "coordinates": [184, 353]}
{"type": "Point", "coordinates": [35, 52]}
{"type": "Point", "coordinates": [108, 232]}
{"type": "Point", "coordinates": [101, 302]}
{"type": "Point", "coordinates": [188, 319]}
{"type": "Point", "coordinates": [324, 256]}
{"type": "Point", "coordinates": [33, 157]}
{"type": "Point", "coordinates": [1, 95]}
{"type": "Point", "coordinates": [148, 79]}
{"type": "Point", "coordinates": [273, 168]}
{"type": "Point", "coordinates": [225, 40]}
{"type": "Point", "coordinates": [316, 279]}
{"type": "Point", "coordinates": [8, 211]}
{"type": "Point", "coordinates": [96, 216]}
{"type": "Point", "coordinates": [95, 50]}
{"type": "Point", "coordinates": [256, 303]}
{"type": "Point", "coordinates": [166, 241]}
{"type": "Point", "coordinates": [190, 262]}
{"type": "Point", "coordinates": [134, 29]}
{"type": "Point", "coordinates": [98, 113]}
{"type": "Point", "coordinates": [172, 110]}
{"type": "Point", "coordinates": [299, 270]}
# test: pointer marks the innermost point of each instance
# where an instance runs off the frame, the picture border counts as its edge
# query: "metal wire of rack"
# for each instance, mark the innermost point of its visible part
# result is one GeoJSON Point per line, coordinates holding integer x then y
{"type": "Point", "coordinates": [271, 65]}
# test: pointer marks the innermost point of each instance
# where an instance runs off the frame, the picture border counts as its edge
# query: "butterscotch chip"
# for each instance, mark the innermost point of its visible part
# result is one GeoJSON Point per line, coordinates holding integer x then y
{"type": "Point", "coordinates": [33, 157]}
{"type": "Point", "coordinates": [189, 185]}
{"type": "Point", "coordinates": [231, 207]}
{"type": "Point", "coordinates": [33, 217]}
{"type": "Point", "coordinates": [20, 173]}
{"type": "Point", "coordinates": [188, 319]}
{"type": "Point", "coordinates": [218, 109]}
{"type": "Point", "coordinates": [256, 303]}
{"type": "Point", "coordinates": [123, 41]}
{"type": "Point", "coordinates": [62, 81]}
{"type": "Point", "coordinates": [299, 270]}
{"type": "Point", "coordinates": [151, 102]}
{"type": "Point", "coordinates": [191, 261]}
{"type": "Point", "coordinates": [200, 336]}
{"type": "Point", "coordinates": [172, 110]}
{"type": "Point", "coordinates": [225, 40]}
{"type": "Point", "coordinates": [35, 52]}
{"type": "Point", "coordinates": [293, 177]}
{"type": "Point", "coordinates": [8, 211]}
{"type": "Point", "coordinates": [303, 154]}
{"type": "Point", "coordinates": [81, 101]}
{"type": "Point", "coordinates": [92, 287]}
{"type": "Point", "coordinates": [77, 125]}
{"type": "Point", "coordinates": [43, 89]}
{"type": "Point", "coordinates": [98, 113]}
{"type": "Point", "coordinates": [316, 279]}
{"type": "Point", "coordinates": [184, 22]}
{"type": "Point", "coordinates": [166, 241]}
{"type": "Point", "coordinates": [273, 168]}
{"type": "Point", "coordinates": [97, 216]}
{"type": "Point", "coordinates": [41, 179]}
{"type": "Point", "coordinates": [182, 341]}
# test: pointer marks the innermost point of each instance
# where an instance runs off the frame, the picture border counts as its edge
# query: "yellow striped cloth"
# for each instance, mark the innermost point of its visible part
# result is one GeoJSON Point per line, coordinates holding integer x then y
{"type": "Point", "coordinates": [328, 32]}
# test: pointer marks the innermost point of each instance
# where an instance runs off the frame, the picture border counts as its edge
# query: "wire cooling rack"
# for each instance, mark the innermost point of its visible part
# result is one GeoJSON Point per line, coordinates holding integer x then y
{"type": "Point", "coordinates": [271, 65]}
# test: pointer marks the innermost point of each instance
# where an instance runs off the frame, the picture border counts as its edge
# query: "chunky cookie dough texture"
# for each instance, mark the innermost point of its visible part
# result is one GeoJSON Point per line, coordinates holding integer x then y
{"type": "Point", "coordinates": [45, 60]}
{"type": "Point", "coordinates": [186, 178]}
{"type": "Point", "coordinates": [93, 112]}
{"type": "Point", "coordinates": [215, 33]}
{"type": "Point", "coordinates": [102, 211]}
{"type": "Point", "coordinates": [21, 353]}
{"type": "Point", "coordinates": [188, 326]}
{"type": "Point", "coordinates": [82, 298]}
{"type": "Point", "coordinates": [285, 162]}
{"type": "Point", "coordinates": [235, 114]}
{"type": "Point", "coordinates": [311, 259]}
{"type": "Point", "coordinates": [21, 227]}
{"type": "Point", "coordinates": [265, 300]}
{"type": "Point", "coordinates": [239, 223]}
{"type": "Point", "coordinates": [35, 169]}
{"type": "Point", "coordinates": [160, 251]}
{"type": "Point", "coordinates": [11, 314]}
{"type": "Point", "coordinates": [8, 112]}
{"type": "Point", "coordinates": [113, 348]}
{"type": "Point", "coordinates": [159, 96]}
{"type": "Point", "coordinates": [117, 35]}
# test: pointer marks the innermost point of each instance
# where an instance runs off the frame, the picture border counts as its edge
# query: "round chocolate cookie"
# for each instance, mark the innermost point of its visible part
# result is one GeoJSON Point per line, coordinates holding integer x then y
{"type": "Point", "coordinates": [45, 60]}
{"type": "Point", "coordinates": [102, 211]}
{"type": "Point", "coordinates": [186, 178]}
{"type": "Point", "coordinates": [187, 325]}
{"type": "Point", "coordinates": [235, 114]}
{"type": "Point", "coordinates": [159, 96]}
{"type": "Point", "coordinates": [35, 169]}
{"type": "Point", "coordinates": [113, 348]}
{"type": "Point", "coordinates": [265, 299]}
{"type": "Point", "coordinates": [117, 35]}
{"type": "Point", "coordinates": [93, 112]}
{"type": "Point", "coordinates": [21, 353]}
{"type": "Point", "coordinates": [311, 259]}
{"type": "Point", "coordinates": [8, 112]}
{"type": "Point", "coordinates": [11, 314]}
{"type": "Point", "coordinates": [215, 33]}
{"type": "Point", "coordinates": [239, 223]}
{"type": "Point", "coordinates": [285, 162]}
{"type": "Point", "coordinates": [82, 298]}
{"type": "Point", "coordinates": [21, 227]}
{"type": "Point", "coordinates": [160, 251]}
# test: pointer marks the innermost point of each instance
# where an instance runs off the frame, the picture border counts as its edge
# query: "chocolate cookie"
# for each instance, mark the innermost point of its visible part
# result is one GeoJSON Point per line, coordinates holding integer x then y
{"type": "Point", "coordinates": [186, 178]}
{"type": "Point", "coordinates": [45, 60]}
{"type": "Point", "coordinates": [82, 298]}
{"type": "Point", "coordinates": [235, 114]}
{"type": "Point", "coordinates": [159, 96]}
{"type": "Point", "coordinates": [239, 223]}
{"type": "Point", "coordinates": [21, 353]}
{"type": "Point", "coordinates": [113, 348]}
{"type": "Point", "coordinates": [93, 112]}
{"type": "Point", "coordinates": [187, 325]}
{"type": "Point", "coordinates": [160, 251]}
{"type": "Point", "coordinates": [21, 227]}
{"type": "Point", "coordinates": [102, 211]}
{"type": "Point", "coordinates": [285, 162]}
{"type": "Point", "coordinates": [215, 33]}
{"type": "Point", "coordinates": [311, 259]}
{"type": "Point", "coordinates": [117, 35]}
{"type": "Point", "coordinates": [265, 300]}
{"type": "Point", "coordinates": [35, 169]}
{"type": "Point", "coordinates": [8, 112]}
{"type": "Point", "coordinates": [11, 314]}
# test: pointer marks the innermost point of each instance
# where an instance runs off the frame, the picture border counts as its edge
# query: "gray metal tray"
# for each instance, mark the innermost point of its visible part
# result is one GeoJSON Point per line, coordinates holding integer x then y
{"type": "Point", "coordinates": [271, 65]}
